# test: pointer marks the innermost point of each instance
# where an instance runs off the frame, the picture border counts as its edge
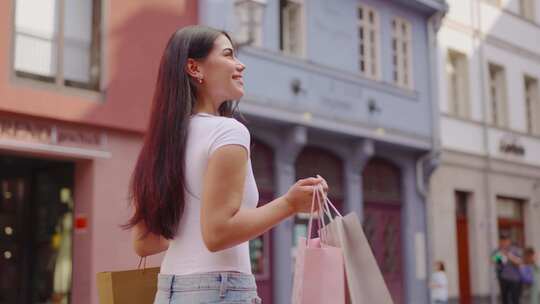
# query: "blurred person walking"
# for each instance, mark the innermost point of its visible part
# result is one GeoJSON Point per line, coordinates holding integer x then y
{"type": "Point", "coordinates": [507, 260]}
{"type": "Point", "coordinates": [193, 189]}
{"type": "Point", "coordinates": [530, 272]}
{"type": "Point", "coordinates": [439, 284]}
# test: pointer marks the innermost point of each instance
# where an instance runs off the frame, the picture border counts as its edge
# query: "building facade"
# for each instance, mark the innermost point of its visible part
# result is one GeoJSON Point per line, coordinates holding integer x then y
{"type": "Point", "coordinates": [488, 180]}
{"type": "Point", "coordinates": [346, 90]}
{"type": "Point", "coordinates": [76, 83]}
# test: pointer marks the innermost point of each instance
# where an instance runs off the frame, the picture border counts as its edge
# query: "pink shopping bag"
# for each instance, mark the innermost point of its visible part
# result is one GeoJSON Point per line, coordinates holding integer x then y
{"type": "Point", "coordinates": [319, 275]}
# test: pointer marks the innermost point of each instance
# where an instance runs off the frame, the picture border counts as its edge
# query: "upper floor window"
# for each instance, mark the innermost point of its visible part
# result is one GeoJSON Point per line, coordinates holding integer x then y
{"type": "Point", "coordinates": [368, 37]}
{"type": "Point", "coordinates": [497, 95]}
{"type": "Point", "coordinates": [292, 27]}
{"type": "Point", "coordinates": [249, 18]}
{"type": "Point", "coordinates": [458, 84]}
{"type": "Point", "coordinates": [532, 105]}
{"type": "Point", "coordinates": [527, 9]}
{"type": "Point", "coordinates": [402, 53]}
{"type": "Point", "coordinates": [58, 41]}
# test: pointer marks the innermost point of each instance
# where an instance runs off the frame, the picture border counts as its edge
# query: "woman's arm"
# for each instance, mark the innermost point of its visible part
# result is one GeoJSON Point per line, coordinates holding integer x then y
{"type": "Point", "coordinates": [148, 244]}
{"type": "Point", "coordinates": [223, 223]}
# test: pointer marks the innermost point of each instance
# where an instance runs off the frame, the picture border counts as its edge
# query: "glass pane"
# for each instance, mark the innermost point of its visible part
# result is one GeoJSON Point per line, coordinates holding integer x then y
{"type": "Point", "coordinates": [509, 208]}
{"type": "Point", "coordinates": [35, 37]}
{"type": "Point", "coordinates": [77, 40]}
{"type": "Point", "coordinates": [256, 253]}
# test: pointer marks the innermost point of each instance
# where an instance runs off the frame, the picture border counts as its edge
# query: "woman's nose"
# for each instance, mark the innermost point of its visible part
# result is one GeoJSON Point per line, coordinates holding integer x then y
{"type": "Point", "coordinates": [240, 66]}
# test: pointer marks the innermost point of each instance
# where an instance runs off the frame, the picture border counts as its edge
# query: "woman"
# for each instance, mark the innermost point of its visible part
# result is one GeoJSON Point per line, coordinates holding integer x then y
{"type": "Point", "coordinates": [439, 284]}
{"type": "Point", "coordinates": [193, 188]}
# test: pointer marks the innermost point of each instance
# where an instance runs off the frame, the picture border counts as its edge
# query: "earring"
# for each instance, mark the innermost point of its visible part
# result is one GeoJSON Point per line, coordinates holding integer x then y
{"type": "Point", "coordinates": [200, 80]}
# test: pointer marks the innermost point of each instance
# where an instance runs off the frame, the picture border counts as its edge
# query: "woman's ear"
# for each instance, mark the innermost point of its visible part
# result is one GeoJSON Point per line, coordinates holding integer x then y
{"type": "Point", "coordinates": [193, 69]}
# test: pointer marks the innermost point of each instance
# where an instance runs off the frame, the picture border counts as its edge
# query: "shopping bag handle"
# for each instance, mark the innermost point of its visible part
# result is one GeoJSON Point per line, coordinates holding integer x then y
{"type": "Point", "coordinates": [142, 260]}
{"type": "Point", "coordinates": [327, 204]}
{"type": "Point", "coordinates": [320, 216]}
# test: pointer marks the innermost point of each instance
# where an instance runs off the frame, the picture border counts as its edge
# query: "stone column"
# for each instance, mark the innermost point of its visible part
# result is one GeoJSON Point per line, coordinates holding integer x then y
{"type": "Point", "coordinates": [286, 153]}
{"type": "Point", "coordinates": [360, 154]}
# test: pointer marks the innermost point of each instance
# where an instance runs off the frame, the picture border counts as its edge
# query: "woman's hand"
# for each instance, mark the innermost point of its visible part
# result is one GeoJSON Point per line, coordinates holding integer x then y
{"type": "Point", "coordinates": [300, 195]}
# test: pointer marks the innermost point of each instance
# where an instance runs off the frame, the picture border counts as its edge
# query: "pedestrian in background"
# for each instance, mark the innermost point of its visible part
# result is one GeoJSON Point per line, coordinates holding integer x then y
{"type": "Point", "coordinates": [439, 284]}
{"type": "Point", "coordinates": [193, 189]}
{"type": "Point", "coordinates": [507, 260]}
{"type": "Point", "coordinates": [530, 277]}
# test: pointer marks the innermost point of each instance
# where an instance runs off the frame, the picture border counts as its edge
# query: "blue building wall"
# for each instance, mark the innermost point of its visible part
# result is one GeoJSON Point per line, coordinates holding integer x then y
{"type": "Point", "coordinates": [334, 99]}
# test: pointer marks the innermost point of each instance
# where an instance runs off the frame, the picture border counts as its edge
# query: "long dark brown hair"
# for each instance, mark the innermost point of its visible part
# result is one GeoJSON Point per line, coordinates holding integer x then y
{"type": "Point", "coordinates": [158, 182]}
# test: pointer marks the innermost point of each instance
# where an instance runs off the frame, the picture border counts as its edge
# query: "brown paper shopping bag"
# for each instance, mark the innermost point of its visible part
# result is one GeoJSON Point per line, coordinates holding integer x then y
{"type": "Point", "coordinates": [130, 286]}
{"type": "Point", "coordinates": [365, 282]}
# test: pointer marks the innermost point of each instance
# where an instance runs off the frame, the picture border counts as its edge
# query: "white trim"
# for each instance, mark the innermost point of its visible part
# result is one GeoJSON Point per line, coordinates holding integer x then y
{"type": "Point", "coordinates": [20, 146]}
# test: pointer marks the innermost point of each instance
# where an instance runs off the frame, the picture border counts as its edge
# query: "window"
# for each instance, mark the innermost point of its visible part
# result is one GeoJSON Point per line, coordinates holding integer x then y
{"type": "Point", "coordinates": [532, 104]}
{"type": "Point", "coordinates": [510, 218]}
{"type": "Point", "coordinates": [497, 94]}
{"type": "Point", "coordinates": [58, 41]}
{"type": "Point", "coordinates": [368, 37]}
{"type": "Point", "coordinates": [249, 17]}
{"type": "Point", "coordinates": [494, 2]}
{"type": "Point", "coordinates": [458, 84]}
{"type": "Point", "coordinates": [401, 53]}
{"type": "Point", "coordinates": [291, 22]}
{"type": "Point", "coordinates": [527, 9]}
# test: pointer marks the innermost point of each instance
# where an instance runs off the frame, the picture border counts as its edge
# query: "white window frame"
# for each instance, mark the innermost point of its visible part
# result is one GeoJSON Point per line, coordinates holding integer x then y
{"type": "Point", "coordinates": [288, 47]}
{"type": "Point", "coordinates": [249, 17]}
{"type": "Point", "coordinates": [58, 78]}
{"type": "Point", "coordinates": [457, 73]}
{"type": "Point", "coordinates": [401, 46]}
{"type": "Point", "coordinates": [532, 104]}
{"type": "Point", "coordinates": [497, 95]}
{"type": "Point", "coordinates": [527, 9]}
{"type": "Point", "coordinates": [368, 42]}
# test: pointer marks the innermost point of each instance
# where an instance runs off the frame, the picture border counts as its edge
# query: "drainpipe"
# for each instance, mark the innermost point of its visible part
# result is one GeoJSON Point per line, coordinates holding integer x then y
{"type": "Point", "coordinates": [491, 217]}
{"type": "Point", "coordinates": [427, 163]}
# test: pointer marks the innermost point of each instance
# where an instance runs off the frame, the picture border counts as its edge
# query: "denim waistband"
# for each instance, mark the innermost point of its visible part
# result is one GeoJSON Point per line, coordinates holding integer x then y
{"type": "Point", "coordinates": [221, 281]}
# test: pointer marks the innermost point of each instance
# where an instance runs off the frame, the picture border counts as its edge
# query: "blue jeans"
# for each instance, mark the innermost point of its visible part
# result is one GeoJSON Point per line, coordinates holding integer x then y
{"type": "Point", "coordinates": [207, 288]}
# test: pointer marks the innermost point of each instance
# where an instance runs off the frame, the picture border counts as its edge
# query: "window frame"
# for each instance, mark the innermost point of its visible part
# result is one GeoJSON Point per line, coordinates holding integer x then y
{"type": "Point", "coordinates": [402, 76]}
{"type": "Point", "coordinates": [58, 80]}
{"type": "Point", "coordinates": [259, 24]}
{"type": "Point", "coordinates": [458, 91]}
{"type": "Point", "coordinates": [498, 105]}
{"type": "Point", "coordinates": [283, 25]}
{"type": "Point", "coordinates": [527, 9]}
{"type": "Point", "coordinates": [371, 52]}
{"type": "Point", "coordinates": [532, 104]}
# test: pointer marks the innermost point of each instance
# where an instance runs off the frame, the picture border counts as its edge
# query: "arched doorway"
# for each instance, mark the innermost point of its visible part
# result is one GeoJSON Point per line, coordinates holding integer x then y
{"type": "Point", "coordinates": [262, 161]}
{"type": "Point", "coordinates": [310, 162]}
{"type": "Point", "coordinates": [382, 221]}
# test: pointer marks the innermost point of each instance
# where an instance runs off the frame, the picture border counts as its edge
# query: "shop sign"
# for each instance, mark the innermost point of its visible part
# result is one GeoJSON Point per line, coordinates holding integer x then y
{"type": "Point", "coordinates": [51, 134]}
{"type": "Point", "coordinates": [510, 144]}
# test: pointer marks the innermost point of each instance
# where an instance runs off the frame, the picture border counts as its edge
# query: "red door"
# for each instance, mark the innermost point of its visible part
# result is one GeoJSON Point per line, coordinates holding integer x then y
{"type": "Point", "coordinates": [463, 247]}
{"type": "Point", "coordinates": [382, 221]}
{"type": "Point", "coordinates": [382, 225]}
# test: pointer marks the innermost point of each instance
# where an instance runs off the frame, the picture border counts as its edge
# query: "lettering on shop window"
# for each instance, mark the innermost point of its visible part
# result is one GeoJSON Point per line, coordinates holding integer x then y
{"type": "Point", "coordinates": [36, 132]}
{"type": "Point", "coordinates": [25, 130]}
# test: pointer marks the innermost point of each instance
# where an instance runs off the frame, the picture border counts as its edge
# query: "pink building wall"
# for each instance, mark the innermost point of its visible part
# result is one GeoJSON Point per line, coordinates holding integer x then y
{"type": "Point", "coordinates": [134, 34]}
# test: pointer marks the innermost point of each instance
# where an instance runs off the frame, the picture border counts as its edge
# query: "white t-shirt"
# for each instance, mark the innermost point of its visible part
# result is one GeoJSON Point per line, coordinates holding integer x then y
{"type": "Point", "coordinates": [187, 253]}
{"type": "Point", "coordinates": [441, 292]}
